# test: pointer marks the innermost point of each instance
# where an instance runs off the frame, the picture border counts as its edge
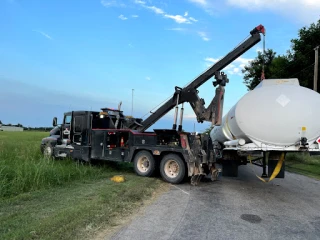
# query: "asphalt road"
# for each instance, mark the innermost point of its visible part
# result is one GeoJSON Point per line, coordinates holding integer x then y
{"type": "Point", "coordinates": [232, 208]}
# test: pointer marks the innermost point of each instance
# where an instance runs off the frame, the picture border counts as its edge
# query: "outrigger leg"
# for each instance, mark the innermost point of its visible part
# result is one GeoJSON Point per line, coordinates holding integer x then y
{"type": "Point", "coordinates": [264, 166]}
{"type": "Point", "coordinates": [214, 174]}
{"type": "Point", "coordinates": [195, 179]}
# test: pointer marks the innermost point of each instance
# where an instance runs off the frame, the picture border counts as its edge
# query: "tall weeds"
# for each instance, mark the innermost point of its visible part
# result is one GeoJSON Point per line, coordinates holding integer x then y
{"type": "Point", "coordinates": [23, 168]}
{"type": "Point", "coordinates": [303, 157]}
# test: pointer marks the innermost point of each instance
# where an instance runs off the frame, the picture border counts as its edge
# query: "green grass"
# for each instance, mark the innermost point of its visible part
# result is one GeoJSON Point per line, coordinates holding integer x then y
{"type": "Point", "coordinates": [303, 163]}
{"type": "Point", "coordinates": [72, 212]}
{"type": "Point", "coordinates": [24, 169]}
{"type": "Point", "coordinates": [61, 199]}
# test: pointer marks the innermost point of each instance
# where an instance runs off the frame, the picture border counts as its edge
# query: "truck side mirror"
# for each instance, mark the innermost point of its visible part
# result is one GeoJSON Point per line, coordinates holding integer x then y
{"type": "Point", "coordinates": [54, 122]}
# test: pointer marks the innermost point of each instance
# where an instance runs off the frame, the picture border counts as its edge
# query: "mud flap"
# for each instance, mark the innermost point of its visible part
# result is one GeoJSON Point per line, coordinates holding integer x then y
{"type": "Point", "coordinates": [229, 168]}
{"type": "Point", "coordinates": [271, 167]}
{"type": "Point", "coordinates": [81, 153]}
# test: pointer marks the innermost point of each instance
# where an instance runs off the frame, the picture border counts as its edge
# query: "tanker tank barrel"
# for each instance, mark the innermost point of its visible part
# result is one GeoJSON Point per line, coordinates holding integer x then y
{"type": "Point", "coordinates": [284, 128]}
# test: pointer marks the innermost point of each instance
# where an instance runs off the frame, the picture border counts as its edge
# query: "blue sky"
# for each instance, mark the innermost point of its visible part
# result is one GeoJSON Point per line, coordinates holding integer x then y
{"type": "Point", "coordinates": [57, 56]}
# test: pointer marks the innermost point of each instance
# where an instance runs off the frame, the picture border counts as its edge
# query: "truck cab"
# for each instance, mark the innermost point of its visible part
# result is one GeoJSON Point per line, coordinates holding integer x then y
{"type": "Point", "coordinates": [89, 135]}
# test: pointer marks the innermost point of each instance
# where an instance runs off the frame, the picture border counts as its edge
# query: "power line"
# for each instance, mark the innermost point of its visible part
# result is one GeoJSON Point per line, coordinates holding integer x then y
{"type": "Point", "coordinates": [302, 70]}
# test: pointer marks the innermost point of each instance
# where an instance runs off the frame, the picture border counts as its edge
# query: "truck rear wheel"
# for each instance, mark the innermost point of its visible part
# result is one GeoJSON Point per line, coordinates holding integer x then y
{"type": "Point", "coordinates": [172, 168]}
{"type": "Point", "coordinates": [144, 164]}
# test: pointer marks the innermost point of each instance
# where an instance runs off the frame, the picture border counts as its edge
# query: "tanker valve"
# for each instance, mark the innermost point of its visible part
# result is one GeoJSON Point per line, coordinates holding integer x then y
{"type": "Point", "coordinates": [304, 142]}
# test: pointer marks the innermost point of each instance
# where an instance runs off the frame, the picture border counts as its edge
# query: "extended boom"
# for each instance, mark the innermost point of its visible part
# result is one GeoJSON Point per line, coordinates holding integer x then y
{"type": "Point", "coordinates": [190, 93]}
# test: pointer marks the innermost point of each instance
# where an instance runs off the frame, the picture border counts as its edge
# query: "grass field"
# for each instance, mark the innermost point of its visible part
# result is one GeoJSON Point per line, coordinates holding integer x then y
{"type": "Point", "coordinates": [304, 164]}
{"type": "Point", "coordinates": [61, 199]}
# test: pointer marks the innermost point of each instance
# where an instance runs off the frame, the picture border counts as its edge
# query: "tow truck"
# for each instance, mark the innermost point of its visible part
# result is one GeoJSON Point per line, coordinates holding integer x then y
{"type": "Point", "coordinates": [111, 136]}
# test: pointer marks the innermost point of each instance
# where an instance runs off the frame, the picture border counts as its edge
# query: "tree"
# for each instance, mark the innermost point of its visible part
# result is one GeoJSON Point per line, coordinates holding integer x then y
{"type": "Point", "coordinates": [298, 62]}
{"type": "Point", "coordinates": [208, 129]}
{"type": "Point", "coordinates": [252, 72]}
{"type": "Point", "coordinates": [302, 54]}
{"type": "Point", "coordinates": [279, 67]}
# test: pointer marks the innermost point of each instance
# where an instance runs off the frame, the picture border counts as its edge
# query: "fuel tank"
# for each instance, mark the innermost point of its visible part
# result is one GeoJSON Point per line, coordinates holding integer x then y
{"type": "Point", "coordinates": [276, 112]}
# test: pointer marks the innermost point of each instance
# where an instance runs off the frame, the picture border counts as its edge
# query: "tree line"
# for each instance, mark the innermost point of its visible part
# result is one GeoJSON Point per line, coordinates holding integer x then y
{"type": "Point", "coordinates": [298, 62]}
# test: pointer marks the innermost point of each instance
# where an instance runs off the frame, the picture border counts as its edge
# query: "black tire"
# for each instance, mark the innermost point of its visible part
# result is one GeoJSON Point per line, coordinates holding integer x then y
{"type": "Point", "coordinates": [144, 164]}
{"type": "Point", "coordinates": [166, 172]}
{"type": "Point", "coordinates": [48, 151]}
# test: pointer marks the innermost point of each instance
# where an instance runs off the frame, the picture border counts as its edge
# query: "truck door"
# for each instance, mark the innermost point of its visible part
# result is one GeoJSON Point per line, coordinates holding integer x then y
{"type": "Point", "coordinates": [80, 138]}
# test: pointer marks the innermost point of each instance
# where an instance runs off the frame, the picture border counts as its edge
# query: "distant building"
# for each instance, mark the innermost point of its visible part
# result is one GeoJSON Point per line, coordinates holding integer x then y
{"type": "Point", "coordinates": [10, 128]}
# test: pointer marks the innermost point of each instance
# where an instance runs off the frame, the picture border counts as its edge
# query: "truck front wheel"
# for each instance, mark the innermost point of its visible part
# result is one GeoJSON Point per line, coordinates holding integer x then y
{"type": "Point", "coordinates": [144, 164]}
{"type": "Point", "coordinates": [48, 151]}
{"type": "Point", "coordinates": [172, 168]}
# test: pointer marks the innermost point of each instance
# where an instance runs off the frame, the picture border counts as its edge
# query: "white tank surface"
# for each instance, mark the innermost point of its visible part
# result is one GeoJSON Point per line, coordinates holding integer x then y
{"type": "Point", "coordinates": [277, 112]}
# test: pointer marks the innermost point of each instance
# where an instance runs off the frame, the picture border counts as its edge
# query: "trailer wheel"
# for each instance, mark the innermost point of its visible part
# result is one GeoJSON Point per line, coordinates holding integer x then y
{"type": "Point", "coordinates": [172, 168]}
{"type": "Point", "coordinates": [144, 164]}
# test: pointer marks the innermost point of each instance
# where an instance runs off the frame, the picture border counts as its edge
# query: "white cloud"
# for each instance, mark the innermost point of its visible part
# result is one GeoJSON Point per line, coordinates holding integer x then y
{"type": "Point", "coordinates": [44, 34]}
{"type": "Point", "coordinates": [189, 116]}
{"type": "Point", "coordinates": [204, 36]}
{"type": "Point", "coordinates": [134, 16]}
{"type": "Point", "coordinates": [212, 60]}
{"type": "Point", "coordinates": [275, 4]}
{"type": "Point", "coordinates": [243, 60]}
{"type": "Point", "coordinates": [155, 9]}
{"type": "Point", "coordinates": [200, 2]}
{"type": "Point", "coordinates": [139, 2]}
{"type": "Point", "coordinates": [234, 68]}
{"type": "Point", "coordinates": [304, 11]}
{"type": "Point", "coordinates": [193, 19]}
{"type": "Point", "coordinates": [122, 17]}
{"type": "Point", "coordinates": [177, 29]}
{"type": "Point", "coordinates": [148, 78]}
{"type": "Point", "coordinates": [259, 49]}
{"type": "Point", "coordinates": [112, 3]}
{"type": "Point", "coordinates": [177, 18]}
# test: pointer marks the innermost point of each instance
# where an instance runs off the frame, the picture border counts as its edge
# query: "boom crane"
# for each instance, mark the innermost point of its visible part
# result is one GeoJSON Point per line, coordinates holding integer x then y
{"type": "Point", "coordinates": [189, 93]}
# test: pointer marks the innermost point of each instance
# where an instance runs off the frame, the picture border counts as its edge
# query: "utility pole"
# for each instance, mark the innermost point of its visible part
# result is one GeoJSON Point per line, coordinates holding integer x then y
{"type": "Point", "coordinates": [315, 80]}
{"type": "Point", "coordinates": [132, 104]}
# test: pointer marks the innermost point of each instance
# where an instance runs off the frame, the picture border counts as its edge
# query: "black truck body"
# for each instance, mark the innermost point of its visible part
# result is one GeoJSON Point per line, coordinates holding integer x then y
{"type": "Point", "coordinates": [93, 136]}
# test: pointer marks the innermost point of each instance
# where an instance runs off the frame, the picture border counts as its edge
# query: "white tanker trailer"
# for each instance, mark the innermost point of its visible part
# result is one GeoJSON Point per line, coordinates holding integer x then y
{"type": "Point", "coordinates": [276, 117]}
